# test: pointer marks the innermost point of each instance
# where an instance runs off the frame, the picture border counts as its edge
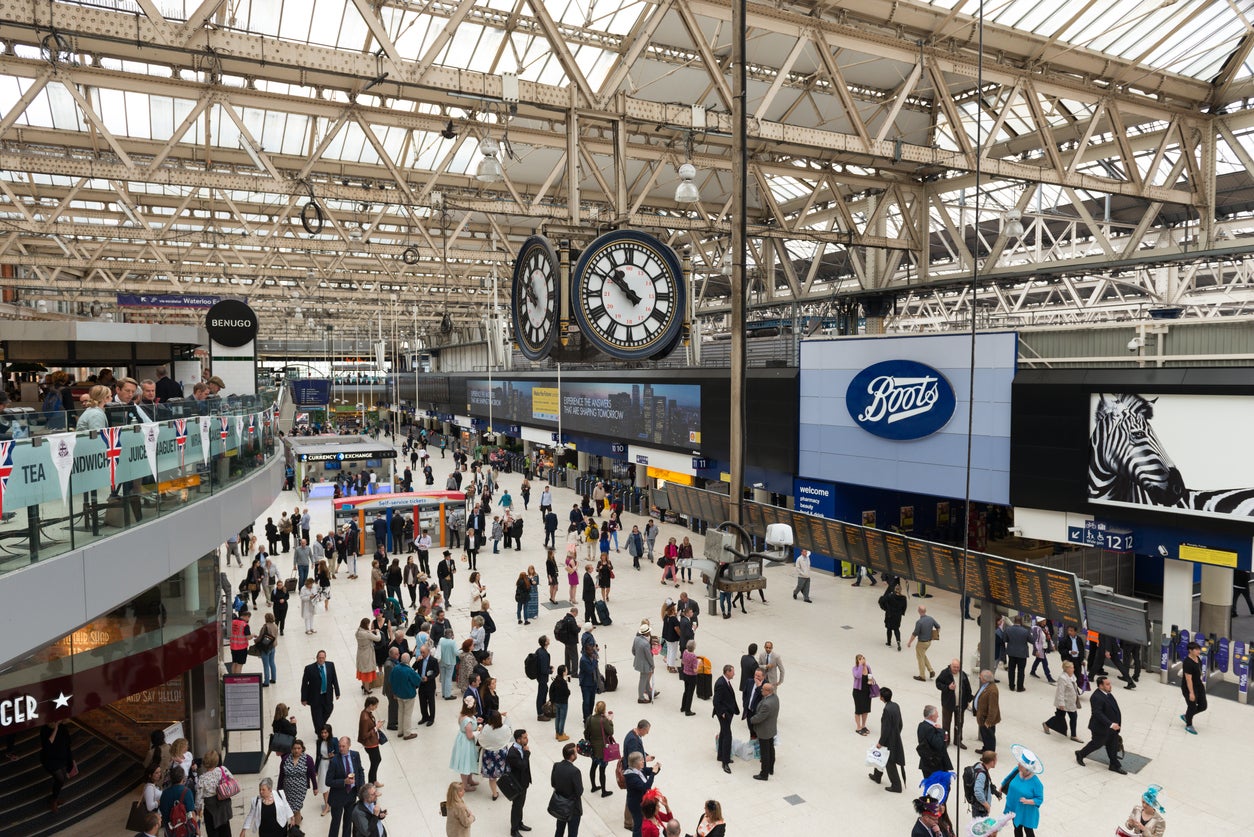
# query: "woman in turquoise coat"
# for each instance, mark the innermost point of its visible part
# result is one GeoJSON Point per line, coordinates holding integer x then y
{"type": "Point", "coordinates": [1024, 791]}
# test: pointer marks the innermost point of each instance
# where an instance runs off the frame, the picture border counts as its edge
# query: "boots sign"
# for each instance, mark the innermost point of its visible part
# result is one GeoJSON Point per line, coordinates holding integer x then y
{"type": "Point", "coordinates": [900, 400]}
{"type": "Point", "coordinates": [231, 323]}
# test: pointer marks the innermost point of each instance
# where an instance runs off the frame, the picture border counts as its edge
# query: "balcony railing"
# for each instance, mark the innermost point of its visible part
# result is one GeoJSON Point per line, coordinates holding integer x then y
{"type": "Point", "coordinates": [62, 489]}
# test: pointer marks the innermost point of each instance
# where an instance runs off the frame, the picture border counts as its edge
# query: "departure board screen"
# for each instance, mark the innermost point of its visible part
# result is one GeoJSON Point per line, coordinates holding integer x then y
{"type": "Point", "coordinates": [997, 573]}
{"type": "Point", "coordinates": [977, 579]}
{"type": "Point", "coordinates": [1029, 588]}
{"type": "Point", "coordinates": [836, 538]}
{"type": "Point", "coordinates": [876, 551]}
{"type": "Point", "coordinates": [921, 561]}
{"type": "Point", "coordinates": [1062, 597]}
{"type": "Point", "coordinates": [817, 531]}
{"type": "Point", "coordinates": [754, 521]}
{"type": "Point", "coordinates": [898, 560]}
{"type": "Point", "coordinates": [855, 545]}
{"type": "Point", "coordinates": [945, 566]}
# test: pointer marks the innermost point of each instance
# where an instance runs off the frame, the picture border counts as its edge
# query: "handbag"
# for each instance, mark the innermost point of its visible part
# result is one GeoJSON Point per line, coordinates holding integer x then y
{"type": "Point", "coordinates": [619, 776]}
{"type": "Point", "coordinates": [1120, 831]}
{"type": "Point", "coordinates": [613, 752]}
{"type": "Point", "coordinates": [561, 807]}
{"type": "Point", "coordinates": [935, 632]}
{"type": "Point", "coordinates": [875, 689]}
{"type": "Point", "coordinates": [281, 743]}
{"type": "Point", "coordinates": [383, 737]}
{"type": "Point", "coordinates": [549, 709]}
{"type": "Point", "coordinates": [227, 786]}
{"type": "Point", "coordinates": [137, 820]}
{"type": "Point", "coordinates": [583, 747]}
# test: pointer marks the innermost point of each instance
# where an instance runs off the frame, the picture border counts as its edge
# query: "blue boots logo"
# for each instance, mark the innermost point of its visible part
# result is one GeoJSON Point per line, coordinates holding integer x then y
{"type": "Point", "coordinates": [900, 399]}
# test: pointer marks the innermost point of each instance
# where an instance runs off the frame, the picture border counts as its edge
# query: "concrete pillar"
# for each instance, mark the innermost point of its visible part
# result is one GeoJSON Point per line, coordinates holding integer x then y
{"type": "Point", "coordinates": [642, 476]}
{"type": "Point", "coordinates": [1177, 595]}
{"type": "Point", "coordinates": [1216, 613]}
{"type": "Point", "coordinates": [585, 462]}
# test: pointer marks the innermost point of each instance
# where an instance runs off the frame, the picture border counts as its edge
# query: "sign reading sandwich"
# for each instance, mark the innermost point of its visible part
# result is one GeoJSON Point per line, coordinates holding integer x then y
{"type": "Point", "coordinates": [231, 323]}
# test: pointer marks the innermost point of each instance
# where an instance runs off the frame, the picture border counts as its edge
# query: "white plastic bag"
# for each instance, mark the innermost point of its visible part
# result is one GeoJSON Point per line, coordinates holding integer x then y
{"type": "Point", "coordinates": [877, 758]}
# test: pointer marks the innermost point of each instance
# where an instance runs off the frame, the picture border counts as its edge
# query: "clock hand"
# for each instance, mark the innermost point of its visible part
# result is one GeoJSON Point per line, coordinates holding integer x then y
{"type": "Point", "coordinates": [532, 296]}
{"type": "Point", "coordinates": [619, 278]}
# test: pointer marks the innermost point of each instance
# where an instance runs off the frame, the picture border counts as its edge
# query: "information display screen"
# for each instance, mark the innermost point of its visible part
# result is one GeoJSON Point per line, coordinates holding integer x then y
{"type": "Point", "coordinates": [242, 708]}
{"type": "Point", "coordinates": [836, 539]}
{"type": "Point", "coordinates": [877, 552]}
{"type": "Point", "coordinates": [1013, 584]}
{"type": "Point", "coordinates": [898, 560]}
{"type": "Point", "coordinates": [921, 568]}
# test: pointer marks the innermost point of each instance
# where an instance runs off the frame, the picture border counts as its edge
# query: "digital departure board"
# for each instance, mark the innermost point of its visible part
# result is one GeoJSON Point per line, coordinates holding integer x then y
{"type": "Point", "coordinates": [898, 560]}
{"type": "Point", "coordinates": [836, 539]}
{"type": "Point", "coordinates": [1040, 591]}
{"type": "Point", "coordinates": [921, 568]}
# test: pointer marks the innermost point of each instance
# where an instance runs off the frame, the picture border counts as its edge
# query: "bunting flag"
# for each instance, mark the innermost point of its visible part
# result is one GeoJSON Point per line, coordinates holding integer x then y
{"type": "Point", "coordinates": [252, 424]}
{"type": "Point", "coordinates": [152, 434]}
{"type": "Point", "coordinates": [6, 469]}
{"type": "Point", "coordinates": [180, 438]}
{"type": "Point", "coordinates": [112, 438]}
{"type": "Point", "coordinates": [223, 429]}
{"type": "Point", "coordinates": [239, 430]}
{"type": "Point", "coordinates": [266, 417]}
{"type": "Point", "coordinates": [203, 424]}
{"type": "Point", "coordinates": [63, 445]}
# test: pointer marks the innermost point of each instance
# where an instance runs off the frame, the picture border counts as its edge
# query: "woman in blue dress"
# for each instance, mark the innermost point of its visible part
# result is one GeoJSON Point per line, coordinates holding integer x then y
{"type": "Point", "coordinates": [465, 758]}
{"type": "Point", "coordinates": [1024, 791]}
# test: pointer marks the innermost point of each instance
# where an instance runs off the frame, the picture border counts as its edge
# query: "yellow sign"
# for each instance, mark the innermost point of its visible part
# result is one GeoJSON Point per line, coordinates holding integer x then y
{"type": "Point", "coordinates": [670, 476]}
{"type": "Point", "coordinates": [1206, 555]}
{"type": "Point", "coordinates": [545, 404]}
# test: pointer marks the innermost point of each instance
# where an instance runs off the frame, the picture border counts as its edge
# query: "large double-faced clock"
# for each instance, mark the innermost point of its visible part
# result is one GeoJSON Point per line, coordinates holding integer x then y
{"type": "Point", "coordinates": [536, 300]}
{"type": "Point", "coordinates": [629, 296]}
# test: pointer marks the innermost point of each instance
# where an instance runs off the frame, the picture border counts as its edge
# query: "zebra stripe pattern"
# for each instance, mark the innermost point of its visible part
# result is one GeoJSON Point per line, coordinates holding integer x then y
{"type": "Point", "coordinates": [1127, 462]}
{"type": "Point", "coordinates": [1232, 501]}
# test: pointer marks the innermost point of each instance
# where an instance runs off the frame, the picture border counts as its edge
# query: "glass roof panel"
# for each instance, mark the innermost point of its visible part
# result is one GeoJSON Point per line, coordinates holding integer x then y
{"type": "Point", "coordinates": [1190, 37]}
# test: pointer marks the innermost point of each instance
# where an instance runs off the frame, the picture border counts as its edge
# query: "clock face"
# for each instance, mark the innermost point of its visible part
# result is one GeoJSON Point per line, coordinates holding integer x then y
{"type": "Point", "coordinates": [535, 300]}
{"type": "Point", "coordinates": [628, 294]}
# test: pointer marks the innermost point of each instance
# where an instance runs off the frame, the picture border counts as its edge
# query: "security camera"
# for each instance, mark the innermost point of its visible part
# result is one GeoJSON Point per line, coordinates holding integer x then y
{"type": "Point", "coordinates": [1136, 343]}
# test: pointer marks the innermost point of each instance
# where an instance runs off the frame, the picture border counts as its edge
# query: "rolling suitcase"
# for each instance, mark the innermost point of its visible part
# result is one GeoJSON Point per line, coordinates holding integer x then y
{"type": "Point", "coordinates": [603, 613]}
{"type": "Point", "coordinates": [611, 678]}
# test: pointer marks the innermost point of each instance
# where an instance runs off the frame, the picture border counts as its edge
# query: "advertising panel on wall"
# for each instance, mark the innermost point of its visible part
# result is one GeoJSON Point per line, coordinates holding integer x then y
{"type": "Point", "coordinates": [1154, 450]}
{"type": "Point", "coordinates": [893, 413]}
{"type": "Point", "coordinates": [668, 415]}
{"type": "Point", "coordinates": [1155, 453]}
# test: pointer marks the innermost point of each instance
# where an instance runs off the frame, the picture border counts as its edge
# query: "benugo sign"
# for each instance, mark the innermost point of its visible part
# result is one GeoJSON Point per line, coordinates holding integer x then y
{"type": "Point", "coordinates": [900, 400]}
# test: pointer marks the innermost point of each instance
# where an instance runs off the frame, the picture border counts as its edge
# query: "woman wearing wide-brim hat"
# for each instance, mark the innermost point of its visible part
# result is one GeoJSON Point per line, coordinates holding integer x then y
{"type": "Point", "coordinates": [1024, 791]}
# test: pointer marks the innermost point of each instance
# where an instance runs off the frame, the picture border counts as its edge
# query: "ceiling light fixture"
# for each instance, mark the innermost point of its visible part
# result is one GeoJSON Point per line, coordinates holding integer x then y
{"type": "Point", "coordinates": [687, 191]}
{"type": "Point", "coordinates": [1012, 224]}
{"type": "Point", "coordinates": [489, 170]}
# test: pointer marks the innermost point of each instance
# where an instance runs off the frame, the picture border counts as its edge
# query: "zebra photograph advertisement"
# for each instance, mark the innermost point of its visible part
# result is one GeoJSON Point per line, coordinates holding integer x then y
{"type": "Point", "coordinates": [900, 399]}
{"type": "Point", "coordinates": [1173, 453]}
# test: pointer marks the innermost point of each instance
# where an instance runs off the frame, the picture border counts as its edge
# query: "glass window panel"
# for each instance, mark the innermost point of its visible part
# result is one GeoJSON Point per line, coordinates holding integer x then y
{"type": "Point", "coordinates": [138, 115]}
{"type": "Point", "coordinates": [264, 16]}
{"type": "Point", "coordinates": [64, 110]}
{"type": "Point", "coordinates": [352, 32]}
{"type": "Point", "coordinates": [226, 134]}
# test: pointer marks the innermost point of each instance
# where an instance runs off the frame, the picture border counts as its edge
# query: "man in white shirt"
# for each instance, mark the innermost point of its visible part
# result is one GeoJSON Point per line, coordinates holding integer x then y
{"type": "Point", "coordinates": [803, 576]}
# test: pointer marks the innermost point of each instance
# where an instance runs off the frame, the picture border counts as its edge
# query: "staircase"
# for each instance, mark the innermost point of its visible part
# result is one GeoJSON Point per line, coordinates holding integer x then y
{"type": "Point", "coordinates": [106, 773]}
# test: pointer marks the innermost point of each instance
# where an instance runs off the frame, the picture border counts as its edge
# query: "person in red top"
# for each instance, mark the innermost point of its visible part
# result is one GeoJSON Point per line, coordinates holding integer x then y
{"type": "Point", "coordinates": [657, 814]}
{"type": "Point", "coordinates": [240, 632]}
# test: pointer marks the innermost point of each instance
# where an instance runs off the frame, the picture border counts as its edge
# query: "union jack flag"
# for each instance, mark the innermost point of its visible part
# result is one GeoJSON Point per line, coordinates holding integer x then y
{"type": "Point", "coordinates": [6, 469]}
{"type": "Point", "coordinates": [223, 425]}
{"type": "Point", "coordinates": [180, 437]}
{"type": "Point", "coordinates": [112, 438]}
{"type": "Point", "coordinates": [265, 417]}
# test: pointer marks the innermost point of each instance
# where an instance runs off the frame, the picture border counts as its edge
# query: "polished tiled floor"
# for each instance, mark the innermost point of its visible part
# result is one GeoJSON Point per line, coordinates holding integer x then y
{"type": "Point", "coordinates": [820, 775]}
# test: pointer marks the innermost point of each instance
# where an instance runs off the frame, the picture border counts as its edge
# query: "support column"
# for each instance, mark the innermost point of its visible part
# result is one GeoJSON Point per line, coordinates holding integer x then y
{"type": "Point", "coordinates": [1216, 612]}
{"type": "Point", "coordinates": [1177, 594]}
{"type": "Point", "coordinates": [988, 636]}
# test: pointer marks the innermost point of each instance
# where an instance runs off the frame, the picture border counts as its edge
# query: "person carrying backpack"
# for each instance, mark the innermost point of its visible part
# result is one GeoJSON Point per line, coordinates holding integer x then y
{"type": "Point", "coordinates": [178, 806]}
{"type": "Point", "coordinates": [978, 786]}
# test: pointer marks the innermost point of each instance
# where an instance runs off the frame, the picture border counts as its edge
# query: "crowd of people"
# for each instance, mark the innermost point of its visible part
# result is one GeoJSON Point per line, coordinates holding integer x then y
{"type": "Point", "coordinates": [407, 652]}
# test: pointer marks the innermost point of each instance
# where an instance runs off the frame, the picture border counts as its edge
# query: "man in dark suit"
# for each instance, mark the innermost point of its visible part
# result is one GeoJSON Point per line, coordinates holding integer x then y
{"type": "Point", "coordinates": [343, 776]}
{"type": "Point", "coordinates": [428, 669]}
{"type": "Point", "coordinates": [319, 689]}
{"type": "Point", "coordinates": [589, 593]}
{"type": "Point", "coordinates": [472, 691]}
{"type": "Point", "coordinates": [955, 692]}
{"type": "Point", "coordinates": [567, 780]}
{"type": "Point", "coordinates": [1105, 722]}
{"type": "Point", "coordinates": [444, 573]}
{"type": "Point", "coordinates": [478, 522]}
{"type": "Point", "coordinates": [518, 760]}
{"type": "Point", "coordinates": [748, 665]}
{"type": "Point", "coordinates": [765, 722]}
{"type": "Point", "coordinates": [633, 742]}
{"type": "Point", "coordinates": [1071, 649]}
{"type": "Point", "coordinates": [752, 697]}
{"type": "Point", "coordinates": [367, 816]}
{"type": "Point", "coordinates": [933, 754]}
{"type": "Point", "coordinates": [890, 742]}
{"type": "Point", "coordinates": [725, 708]}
